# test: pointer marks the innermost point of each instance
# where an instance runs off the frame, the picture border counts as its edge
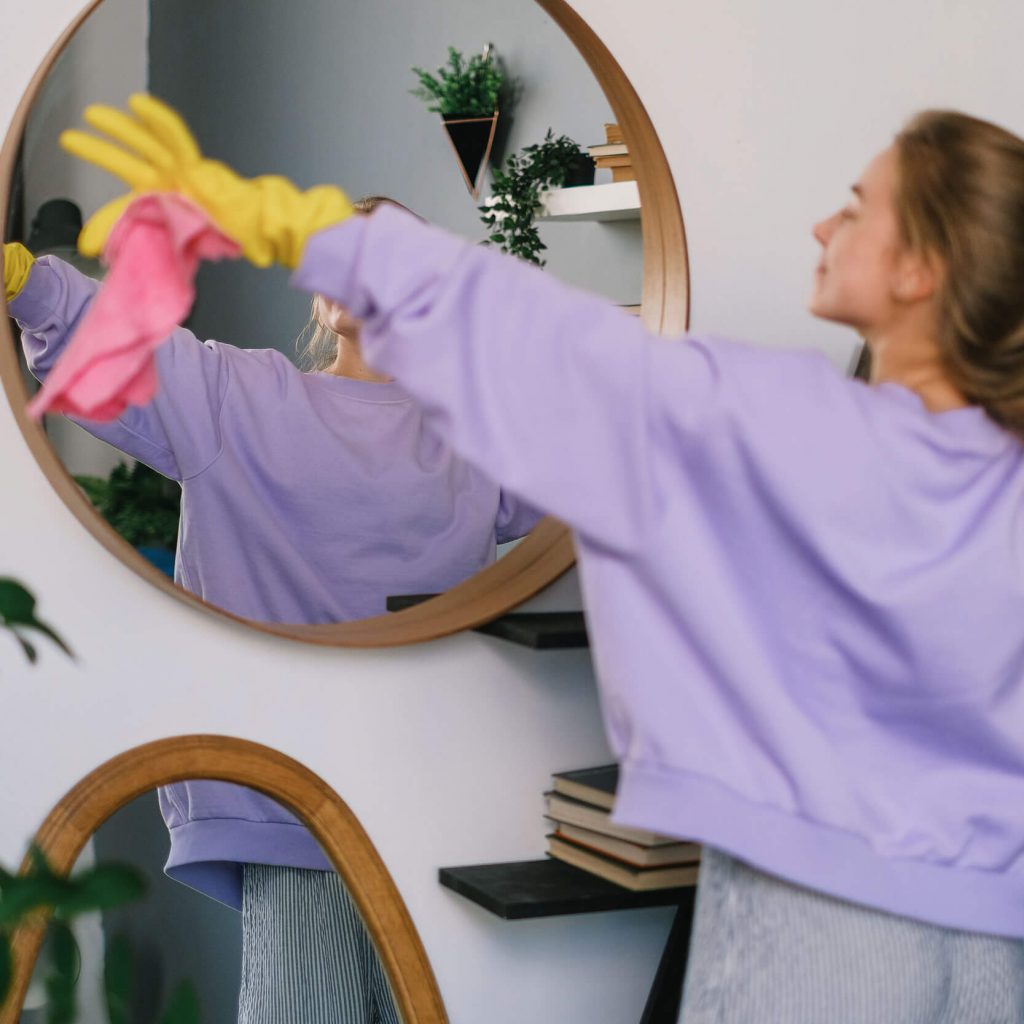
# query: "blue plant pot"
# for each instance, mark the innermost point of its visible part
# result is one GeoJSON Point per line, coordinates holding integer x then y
{"type": "Point", "coordinates": [162, 558]}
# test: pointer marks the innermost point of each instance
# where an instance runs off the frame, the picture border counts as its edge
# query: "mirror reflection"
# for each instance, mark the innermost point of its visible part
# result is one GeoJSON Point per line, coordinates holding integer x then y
{"type": "Point", "coordinates": [311, 490]}
{"type": "Point", "coordinates": [241, 918]}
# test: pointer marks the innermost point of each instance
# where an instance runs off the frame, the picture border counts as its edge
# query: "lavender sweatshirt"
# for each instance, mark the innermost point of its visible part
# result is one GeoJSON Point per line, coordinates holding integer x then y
{"type": "Point", "coordinates": [306, 498]}
{"type": "Point", "coordinates": [805, 594]}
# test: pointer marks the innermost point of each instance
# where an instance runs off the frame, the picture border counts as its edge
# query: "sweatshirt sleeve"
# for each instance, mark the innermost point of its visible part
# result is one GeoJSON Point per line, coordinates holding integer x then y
{"type": "Point", "coordinates": [178, 433]}
{"type": "Point", "coordinates": [550, 391]}
{"type": "Point", "coordinates": [515, 518]}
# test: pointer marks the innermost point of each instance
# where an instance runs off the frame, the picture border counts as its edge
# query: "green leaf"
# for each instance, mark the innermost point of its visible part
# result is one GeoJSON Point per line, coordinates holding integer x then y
{"type": "Point", "coordinates": [118, 970]}
{"type": "Point", "coordinates": [139, 503]}
{"type": "Point", "coordinates": [102, 887]}
{"type": "Point", "coordinates": [26, 895]}
{"type": "Point", "coordinates": [28, 649]}
{"type": "Point", "coordinates": [183, 1006]}
{"type": "Point", "coordinates": [470, 87]}
{"type": "Point", "coordinates": [18, 608]}
{"type": "Point", "coordinates": [6, 968]}
{"type": "Point", "coordinates": [60, 982]}
{"type": "Point", "coordinates": [497, 238]}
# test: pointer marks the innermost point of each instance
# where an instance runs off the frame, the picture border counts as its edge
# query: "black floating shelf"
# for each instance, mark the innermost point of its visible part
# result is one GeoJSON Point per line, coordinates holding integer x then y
{"type": "Point", "coordinates": [540, 630]}
{"type": "Point", "coordinates": [546, 888]}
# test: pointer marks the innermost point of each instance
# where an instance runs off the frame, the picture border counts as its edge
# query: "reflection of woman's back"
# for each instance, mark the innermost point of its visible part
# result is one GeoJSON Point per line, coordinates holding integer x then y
{"type": "Point", "coordinates": [306, 498]}
{"type": "Point", "coordinates": [323, 495]}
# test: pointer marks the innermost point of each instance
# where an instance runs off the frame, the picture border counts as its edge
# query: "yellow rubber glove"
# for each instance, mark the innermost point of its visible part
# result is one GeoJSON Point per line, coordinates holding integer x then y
{"type": "Point", "coordinates": [17, 266]}
{"type": "Point", "coordinates": [269, 217]}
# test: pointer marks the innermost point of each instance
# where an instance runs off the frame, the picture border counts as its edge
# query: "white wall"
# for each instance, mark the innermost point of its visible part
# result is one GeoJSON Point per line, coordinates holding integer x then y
{"type": "Point", "coordinates": [768, 113]}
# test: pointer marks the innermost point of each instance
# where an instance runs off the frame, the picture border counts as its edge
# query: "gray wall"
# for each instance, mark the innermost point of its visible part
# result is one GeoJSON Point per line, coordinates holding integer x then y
{"type": "Point", "coordinates": [318, 90]}
{"type": "Point", "coordinates": [175, 932]}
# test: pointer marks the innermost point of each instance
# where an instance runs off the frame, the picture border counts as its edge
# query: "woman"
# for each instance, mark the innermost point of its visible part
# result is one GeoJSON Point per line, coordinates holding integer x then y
{"type": "Point", "coordinates": [805, 594]}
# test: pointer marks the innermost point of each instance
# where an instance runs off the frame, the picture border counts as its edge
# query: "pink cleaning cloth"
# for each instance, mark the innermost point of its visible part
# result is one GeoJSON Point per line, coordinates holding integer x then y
{"type": "Point", "coordinates": [152, 253]}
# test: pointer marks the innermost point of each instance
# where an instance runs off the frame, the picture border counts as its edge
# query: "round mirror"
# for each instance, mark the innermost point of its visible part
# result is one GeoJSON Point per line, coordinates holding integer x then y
{"type": "Point", "coordinates": [312, 496]}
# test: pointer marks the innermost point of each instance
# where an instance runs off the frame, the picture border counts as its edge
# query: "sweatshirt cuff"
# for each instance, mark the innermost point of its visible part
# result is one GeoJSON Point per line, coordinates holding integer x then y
{"type": "Point", "coordinates": [329, 262]}
{"type": "Point", "coordinates": [34, 303]}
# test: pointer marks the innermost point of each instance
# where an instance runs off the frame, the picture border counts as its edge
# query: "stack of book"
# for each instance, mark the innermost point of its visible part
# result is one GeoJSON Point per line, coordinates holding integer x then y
{"type": "Point", "coordinates": [580, 804]}
{"type": "Point", "coordinates": [614, 155]}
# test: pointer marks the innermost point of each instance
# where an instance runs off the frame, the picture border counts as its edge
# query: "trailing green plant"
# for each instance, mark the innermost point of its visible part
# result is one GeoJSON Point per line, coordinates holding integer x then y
{"type": "Point", "coordinates": [511, 212]}
{"type": "Point", "coordinates": [18, 613]}
{"type": "Point", "coordinates": [468, 88]}
{"type": "Point", "coordinates": [139, 503]}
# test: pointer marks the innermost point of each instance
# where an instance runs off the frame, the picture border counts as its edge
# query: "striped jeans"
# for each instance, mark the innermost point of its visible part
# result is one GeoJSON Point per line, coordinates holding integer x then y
{"type": "Point", "coordinates": [767, 952]}
{"type": "Point", "coordinates": [306, 955]}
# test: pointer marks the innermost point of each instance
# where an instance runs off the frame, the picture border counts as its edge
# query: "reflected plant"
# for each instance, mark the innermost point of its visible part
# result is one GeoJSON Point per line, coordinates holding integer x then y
{"type": "Point", "coordinates": [510, 212]}
{"type": "Point", "coordinates": [140, 504]}
{"type": "Point", "coordinates": [18, 613]}
{"type": "Point", "coordinates": [466, 88]}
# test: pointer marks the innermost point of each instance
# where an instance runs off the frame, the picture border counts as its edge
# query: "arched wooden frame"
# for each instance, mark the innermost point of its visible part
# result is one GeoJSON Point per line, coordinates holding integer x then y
{"type": "Point", "coordinates": [547, 552]}
{"type": "Point", "coordinates": [119, 781]}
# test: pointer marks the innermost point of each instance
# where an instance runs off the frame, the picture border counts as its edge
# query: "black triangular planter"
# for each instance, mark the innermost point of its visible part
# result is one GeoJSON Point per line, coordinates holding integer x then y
{"type": "Point", "coordinates": [471, 138]}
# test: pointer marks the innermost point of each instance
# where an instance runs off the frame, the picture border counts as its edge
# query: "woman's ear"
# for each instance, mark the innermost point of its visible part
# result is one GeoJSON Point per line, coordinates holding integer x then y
{"type": "Point", "coordinates": [918, 276]}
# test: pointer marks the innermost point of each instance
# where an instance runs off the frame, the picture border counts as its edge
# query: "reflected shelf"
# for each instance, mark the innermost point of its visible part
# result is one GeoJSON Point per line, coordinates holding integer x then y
{"type": "Point", "coordinates": [616, 200]}
{"type": "Point", "coordinates": [543, 631]}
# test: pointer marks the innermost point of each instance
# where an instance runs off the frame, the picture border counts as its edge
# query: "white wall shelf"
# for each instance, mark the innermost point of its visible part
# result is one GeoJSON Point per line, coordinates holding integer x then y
{"type": "Point", "coordinates": [617, 200]}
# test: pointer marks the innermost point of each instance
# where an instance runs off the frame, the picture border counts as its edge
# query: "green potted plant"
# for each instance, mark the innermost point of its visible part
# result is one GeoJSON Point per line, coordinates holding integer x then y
{"type": "Point", "coordinates": [511, 212]}
{"type": "Point", "coordinates": [466, 94]}
{"type": "Point", "coordinates": [142, 506]}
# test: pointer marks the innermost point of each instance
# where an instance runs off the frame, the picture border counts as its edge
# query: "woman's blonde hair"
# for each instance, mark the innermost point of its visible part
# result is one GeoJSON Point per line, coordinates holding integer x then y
{"type": "Point", "coordinates": [960, 198]}
{"type": "Point", "coordinates": [317, 345]}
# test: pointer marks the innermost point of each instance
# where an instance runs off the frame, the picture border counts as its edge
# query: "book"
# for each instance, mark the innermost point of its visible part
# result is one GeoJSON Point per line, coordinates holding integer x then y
{"type": "Point", "coordinates": [616, 149]}
{"type": "Point", "coordinates": [630, 853]}
{"type": "Point", "coordinates": [635, 310]}
{"type": "Point", "coordinates": [614, 161]}
{"type": "Point", "coordinates": [562, 808]}
{"type": "Point", "coordinates": [613, 133]}
{"type": "Point", "coordinates": [593, 785]}
{"type": "Point", "coordinates": [636, 879]}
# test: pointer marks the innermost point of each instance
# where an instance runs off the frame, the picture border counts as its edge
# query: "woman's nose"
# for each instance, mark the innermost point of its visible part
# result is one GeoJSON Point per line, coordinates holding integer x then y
{"type": "Point", "coordinates": [822, 231]}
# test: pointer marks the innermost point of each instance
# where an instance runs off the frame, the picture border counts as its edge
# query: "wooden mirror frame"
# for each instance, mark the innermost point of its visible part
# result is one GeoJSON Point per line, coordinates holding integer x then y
{"type": "Point", "coordinates": [123, 778]}
{"type": "Point", "coordinates": [547, 552]}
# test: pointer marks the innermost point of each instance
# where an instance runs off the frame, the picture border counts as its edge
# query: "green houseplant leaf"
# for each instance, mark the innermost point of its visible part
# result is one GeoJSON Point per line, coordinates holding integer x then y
{"type": "Point", "coordinates": [510, 213]}
{"type": "Point", "coordinates": [468, 88]}
{"type": "Point", "coordinates": [6, 968]}
{"type": "Point", "coordinates": [183, 1006]}
{"type": "Point", "coordinates": [139, 503]}
{"type": "Point", "coordinates": [18, 612]}
{"type": "Point", "coordinates": [118, 971]}
{"type": "Point", "coordinates": [63, 975]}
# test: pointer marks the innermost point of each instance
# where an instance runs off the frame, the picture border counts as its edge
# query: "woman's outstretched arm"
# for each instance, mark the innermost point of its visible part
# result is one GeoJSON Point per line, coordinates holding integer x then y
{"type": "Point", "coordinates": [177, 434]}
{"type": "Point", "coordinates": [552, 392]}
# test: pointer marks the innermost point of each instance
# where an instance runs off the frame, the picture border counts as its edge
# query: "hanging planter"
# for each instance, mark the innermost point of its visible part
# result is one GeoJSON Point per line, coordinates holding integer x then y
{"type": "Point", "coordinates": [465, 94]}
{"type": "Point", "coordinates": [472, 139]}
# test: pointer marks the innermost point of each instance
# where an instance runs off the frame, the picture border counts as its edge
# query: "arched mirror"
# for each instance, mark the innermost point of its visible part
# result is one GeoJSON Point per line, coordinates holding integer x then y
{"type": "Point", "coordinates": [353, 502]}
{"type": "Point", "coordinates": [226, 925]}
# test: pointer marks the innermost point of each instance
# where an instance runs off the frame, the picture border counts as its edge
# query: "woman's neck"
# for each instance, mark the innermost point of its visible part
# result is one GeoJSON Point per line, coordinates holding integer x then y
{"type": "Point", "coordinates": [350, 363]}
{"type": "Point", "coordinates": [911, 359]}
